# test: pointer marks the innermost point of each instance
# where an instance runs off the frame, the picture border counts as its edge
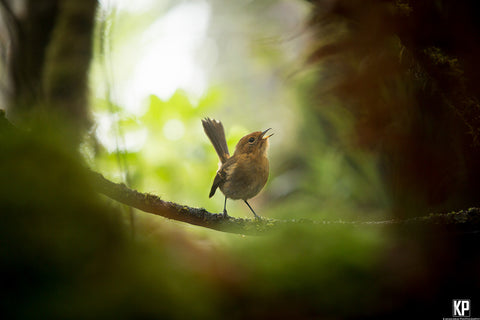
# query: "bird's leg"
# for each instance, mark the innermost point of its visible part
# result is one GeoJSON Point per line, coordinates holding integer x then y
{"type": "Point", "coordinates": [256, 216]}
{"type": "Point", "coordinates": [225, 215]}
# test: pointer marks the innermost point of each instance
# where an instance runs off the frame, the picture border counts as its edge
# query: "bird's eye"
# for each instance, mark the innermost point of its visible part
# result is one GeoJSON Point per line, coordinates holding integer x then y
{"type": "Point", "coordinates": [251, 139]}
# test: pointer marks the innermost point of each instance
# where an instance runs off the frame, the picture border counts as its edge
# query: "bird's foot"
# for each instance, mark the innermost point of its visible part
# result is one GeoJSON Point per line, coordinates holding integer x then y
{"type": "Point", "coordinates": [257, 217]}
{"type": "Point", "coordinates": [225, 214]}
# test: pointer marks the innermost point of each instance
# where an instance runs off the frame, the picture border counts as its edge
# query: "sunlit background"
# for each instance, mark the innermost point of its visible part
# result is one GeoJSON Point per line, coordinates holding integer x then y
{"type": "Point", "coordinates": [160, 67]}
{"type": "Point", "coordinates": [368, 126]}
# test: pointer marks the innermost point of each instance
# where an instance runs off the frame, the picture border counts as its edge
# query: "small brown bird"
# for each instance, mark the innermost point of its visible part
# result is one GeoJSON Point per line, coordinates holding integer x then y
{"type": "Point", "coordinates": [244, 174]}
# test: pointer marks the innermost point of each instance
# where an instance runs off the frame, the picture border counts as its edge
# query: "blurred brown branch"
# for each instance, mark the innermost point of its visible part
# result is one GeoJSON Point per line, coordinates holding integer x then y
{"type": "Point", "coordinates": [407, 72]}
{"type": "Point", "coordinates": [45, 54]}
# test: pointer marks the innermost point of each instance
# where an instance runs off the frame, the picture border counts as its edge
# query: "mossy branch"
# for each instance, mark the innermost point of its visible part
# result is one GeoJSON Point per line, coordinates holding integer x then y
{"type": "Point", "coordinates": [197, 216]}
{"type": "Point", "coordinates": [465, 220]}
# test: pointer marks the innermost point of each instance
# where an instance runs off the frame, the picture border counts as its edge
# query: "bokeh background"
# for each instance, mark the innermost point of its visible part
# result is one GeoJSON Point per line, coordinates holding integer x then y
{"type": "Point", "coordinates": [375, 113]}
{"type": "Point", "coordinates": [161, 67]}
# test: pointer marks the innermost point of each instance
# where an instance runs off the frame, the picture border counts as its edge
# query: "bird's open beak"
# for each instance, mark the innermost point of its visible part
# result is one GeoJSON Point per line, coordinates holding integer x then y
{"type": "Point", "coordinates": [264, 132]}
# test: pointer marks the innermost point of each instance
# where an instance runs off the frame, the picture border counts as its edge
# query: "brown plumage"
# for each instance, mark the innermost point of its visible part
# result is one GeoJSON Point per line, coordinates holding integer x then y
{"type": "Point", "coordinates": [244, 174]}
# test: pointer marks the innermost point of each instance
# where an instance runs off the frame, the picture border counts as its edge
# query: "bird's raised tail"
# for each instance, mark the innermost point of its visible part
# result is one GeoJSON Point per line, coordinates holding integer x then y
{"type": "Point", "coordinates": [215, 132]}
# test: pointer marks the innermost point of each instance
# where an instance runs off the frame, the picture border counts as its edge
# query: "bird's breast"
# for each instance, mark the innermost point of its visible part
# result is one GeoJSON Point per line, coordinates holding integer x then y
{"type": "Point", "coordinates": [245, 178]}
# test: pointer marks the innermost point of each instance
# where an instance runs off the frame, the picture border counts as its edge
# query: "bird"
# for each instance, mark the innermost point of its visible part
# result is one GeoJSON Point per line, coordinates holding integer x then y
{"type": "Point", "coordinates": [243, 175]}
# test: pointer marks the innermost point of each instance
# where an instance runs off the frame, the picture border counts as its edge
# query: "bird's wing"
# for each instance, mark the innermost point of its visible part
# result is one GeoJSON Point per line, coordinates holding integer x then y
{"type": "Point", "coordinates": [217, 181]}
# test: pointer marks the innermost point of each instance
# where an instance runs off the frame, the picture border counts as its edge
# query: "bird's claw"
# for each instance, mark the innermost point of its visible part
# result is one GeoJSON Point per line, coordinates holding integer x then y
{"type": "Point", "coordinates": [225, 215]}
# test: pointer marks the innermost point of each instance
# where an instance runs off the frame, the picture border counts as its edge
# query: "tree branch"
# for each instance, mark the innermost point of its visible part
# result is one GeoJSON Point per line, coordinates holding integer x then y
{"type": "Point", "coordinates": [461, 221]}
{"type": "Point", "coordinates": [197, 216]}
{"type": "Point", "coordinates": [464, 221]}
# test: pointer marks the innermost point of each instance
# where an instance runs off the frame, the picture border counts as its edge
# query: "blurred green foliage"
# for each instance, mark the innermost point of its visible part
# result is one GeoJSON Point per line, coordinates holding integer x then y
{"type": "Point", "coordinates": [174, 158]}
